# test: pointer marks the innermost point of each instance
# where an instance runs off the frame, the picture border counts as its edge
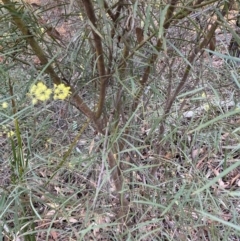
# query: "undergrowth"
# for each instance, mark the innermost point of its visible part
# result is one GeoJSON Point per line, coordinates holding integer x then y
{"type": "Point", "coordinates": [140, 142]}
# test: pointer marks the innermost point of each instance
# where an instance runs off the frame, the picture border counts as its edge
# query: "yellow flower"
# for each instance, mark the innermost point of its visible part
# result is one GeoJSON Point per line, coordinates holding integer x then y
{"type": "Point", "coordinates": [33, 89]}
{"type": "Point", "coordinates": [80, 16]}
{"type": "Point", "coordinates": [34, 101]}
{"type": "Point", "coordinates": [206, 107]}
{"type": "Point", "coordinates": [61, 92]}
{"type": "Point", "coordinates": [4, 105]}
{"type": "Point", "coordinates": [10, 134]}
{"type": "Point", "coordinates": [40, 92]}
{"type": "Point", "coordinates": [43, 94]}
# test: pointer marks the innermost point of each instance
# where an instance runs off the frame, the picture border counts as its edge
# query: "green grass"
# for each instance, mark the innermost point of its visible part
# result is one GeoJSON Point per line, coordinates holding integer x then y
{"type": "Point", "coordinates": [56, 181]}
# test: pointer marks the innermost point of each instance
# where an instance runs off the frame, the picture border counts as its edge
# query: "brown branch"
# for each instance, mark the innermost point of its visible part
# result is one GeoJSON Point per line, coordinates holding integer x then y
{"type": "Point", "coordinates": [154, 57]}
{"type": "Point", "coordinates": [183, 13]}
{"type": "Point", "coordinates": [100, 57]}
{"type": "Point", "coordinates": [109, 12]}
{"type": "Point", "coordinates": [199, 48]}
{"type": "Point", "coordinates": [170, 17]}
{"type": "Point", "coordinates": [116, 16]}
{"type": "Point", "coordinates": [30, 39]}
{"type": "Point", "coordinates": [119, 8]}
{"type": "Point", "coordinates": [175, 17]}
{"type": "Point", "coordinates": [207, 39]}
{"type": "Point", "coordinates": [76, 99]}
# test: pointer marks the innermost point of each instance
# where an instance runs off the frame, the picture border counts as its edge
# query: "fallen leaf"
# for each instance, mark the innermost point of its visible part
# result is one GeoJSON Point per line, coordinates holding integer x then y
{"type": "Point", "coordinates": [220, 181]}
{"type": "Point", "coordinates": [54, 234]}
{"type": "Point", "coordinates": [234, 179]}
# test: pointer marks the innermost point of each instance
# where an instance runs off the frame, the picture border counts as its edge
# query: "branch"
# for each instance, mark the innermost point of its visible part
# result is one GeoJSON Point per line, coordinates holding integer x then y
{"type": "Point", "coordinates": [207, 39]}
{"type": "Point", "coordinates": [109, 12]}
{"type": "Point", "coordinates": [198, 49]}
{"type": "Point", "coordinates": [170, 17]}
{"type": "Point", "coordinates": [100, 58]}
{"type": "Point", "coordinates": [154, 57]}
{"type": "Point", "coordinates": [76, 99]}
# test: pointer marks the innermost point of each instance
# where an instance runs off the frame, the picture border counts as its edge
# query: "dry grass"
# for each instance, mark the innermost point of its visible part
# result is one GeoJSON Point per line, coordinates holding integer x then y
{"type": "Point", "coordinates": [195, 193]}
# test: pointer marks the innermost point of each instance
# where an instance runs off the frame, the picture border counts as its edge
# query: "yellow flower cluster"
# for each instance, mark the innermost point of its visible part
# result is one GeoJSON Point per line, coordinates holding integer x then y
{"type": "Point", "coordinates": [4, 105]}
{"type": "Point", "coordinates": [61, 92]}
{"type": "Point", "coordinates": [6, 131]}
{"type": "Point", "coordinates": [40, 92]}
{"type": "Point", "coordinates": [10, 134]}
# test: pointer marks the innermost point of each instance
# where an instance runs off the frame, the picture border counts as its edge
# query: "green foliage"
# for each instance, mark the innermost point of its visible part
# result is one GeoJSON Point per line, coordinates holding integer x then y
{"type": "Point", "coordinates": [140, 140]}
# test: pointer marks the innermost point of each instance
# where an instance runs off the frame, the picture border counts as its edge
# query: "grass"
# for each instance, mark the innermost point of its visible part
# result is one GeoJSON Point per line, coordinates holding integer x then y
{"type": "Point", "coordinates": [56, 182]}
{"type": "Point", "coordinates": [186, 202]}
